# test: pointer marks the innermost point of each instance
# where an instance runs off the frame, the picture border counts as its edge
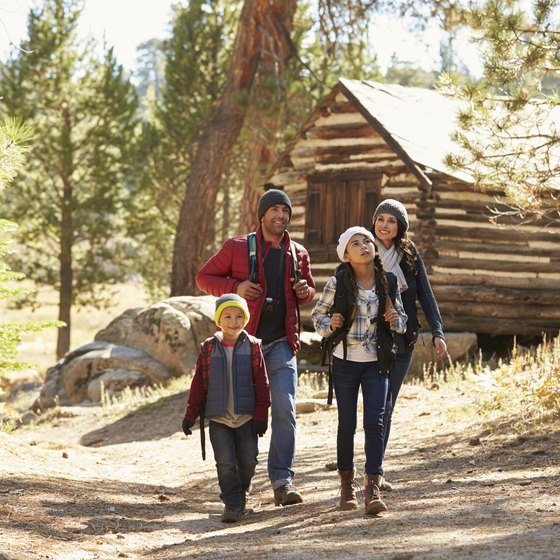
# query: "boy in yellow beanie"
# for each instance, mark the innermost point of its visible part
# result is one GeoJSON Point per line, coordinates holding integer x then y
{"type": "Point", "coordinates": [230, 388]}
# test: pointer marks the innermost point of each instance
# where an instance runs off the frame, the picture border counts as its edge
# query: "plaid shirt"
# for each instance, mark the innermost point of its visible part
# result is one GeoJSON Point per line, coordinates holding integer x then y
{"type": "Point", "coordinates": [364, 328]}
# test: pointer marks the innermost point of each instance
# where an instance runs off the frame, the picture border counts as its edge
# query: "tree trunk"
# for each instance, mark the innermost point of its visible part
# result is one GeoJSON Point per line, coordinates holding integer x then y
{"type": "Point", "coordinates": [274, 17]}
{"type": "Point", "coordinates": [66, 273]}
{"type": "Point", "coordinates": [260, 156]}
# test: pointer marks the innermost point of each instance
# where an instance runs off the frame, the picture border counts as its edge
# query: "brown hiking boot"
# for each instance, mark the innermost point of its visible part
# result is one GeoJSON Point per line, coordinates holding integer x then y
{"type": "Point", "coordinates": [373, 502]}
{"type": "Point", "coordinates": [348, 490]}
{"type": "Point", "coordinates": [286, 496]}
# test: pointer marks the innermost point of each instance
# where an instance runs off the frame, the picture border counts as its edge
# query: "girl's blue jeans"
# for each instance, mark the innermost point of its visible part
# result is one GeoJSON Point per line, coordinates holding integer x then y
{"type": "Point", "coordinates": [348, 378]}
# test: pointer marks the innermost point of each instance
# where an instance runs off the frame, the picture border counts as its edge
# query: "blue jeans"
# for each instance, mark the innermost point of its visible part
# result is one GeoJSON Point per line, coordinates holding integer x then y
{"type": "Point", "coordinates": [400, 369]}
{"type": "Point", "coordinates": [348, 377]}
{"type": "Point", "coordinates": [281, 366]}
{"type": "Point", "coordinates": [235, 452]}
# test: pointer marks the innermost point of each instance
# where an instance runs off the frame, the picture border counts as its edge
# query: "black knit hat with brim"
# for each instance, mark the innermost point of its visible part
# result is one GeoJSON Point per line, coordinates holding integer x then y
{"type": "Point", "coordinates": [271, 198]}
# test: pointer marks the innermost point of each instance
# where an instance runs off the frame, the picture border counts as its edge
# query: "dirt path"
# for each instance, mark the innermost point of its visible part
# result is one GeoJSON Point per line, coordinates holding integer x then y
{"type": "Point", "coordinates": [87, 488]}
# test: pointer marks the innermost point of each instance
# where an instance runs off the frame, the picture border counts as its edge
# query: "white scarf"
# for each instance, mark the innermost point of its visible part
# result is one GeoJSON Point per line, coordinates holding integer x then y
{"type": "Point", "coordinates": [391, 259]}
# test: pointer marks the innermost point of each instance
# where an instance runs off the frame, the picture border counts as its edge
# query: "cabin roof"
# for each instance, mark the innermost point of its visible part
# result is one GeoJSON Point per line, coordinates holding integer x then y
{"type": "Point", "coordinates": [419, 121]}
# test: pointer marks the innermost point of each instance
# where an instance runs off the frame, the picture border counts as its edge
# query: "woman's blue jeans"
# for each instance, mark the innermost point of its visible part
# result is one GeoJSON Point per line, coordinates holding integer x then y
{"type": "Point", "coordinates": [235, 452]}
{"type": "Point", "coordinates": [400, 369]}
{"type": "Point", "coordinates": [348, 377]}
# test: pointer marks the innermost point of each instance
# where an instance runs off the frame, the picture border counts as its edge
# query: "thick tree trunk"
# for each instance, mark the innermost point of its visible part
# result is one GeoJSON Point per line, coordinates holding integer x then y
{"type": "Point", "coordinates": [221, 133]}
{"type": "Point", "coordinates": [66, 273]}
{"type": "Point", "coordinates": [260, 156]}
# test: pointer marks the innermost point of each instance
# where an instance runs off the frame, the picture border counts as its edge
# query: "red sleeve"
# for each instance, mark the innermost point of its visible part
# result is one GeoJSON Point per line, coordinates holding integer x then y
{"type": "Point", "coordinates": [262, 391]}
{"type": "Point", "coordinates": [196, 393]}
{"type": "Point", "coordinates": [215, 276]}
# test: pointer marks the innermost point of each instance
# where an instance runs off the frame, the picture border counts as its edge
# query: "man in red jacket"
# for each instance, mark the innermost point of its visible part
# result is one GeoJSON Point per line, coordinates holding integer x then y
{"type": "Point", "coordinates": [273, 299]}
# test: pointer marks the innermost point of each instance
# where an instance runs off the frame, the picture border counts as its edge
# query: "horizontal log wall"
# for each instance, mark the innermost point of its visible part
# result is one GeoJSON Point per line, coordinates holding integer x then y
{"type": "Point", "coordinates": [490, 273]}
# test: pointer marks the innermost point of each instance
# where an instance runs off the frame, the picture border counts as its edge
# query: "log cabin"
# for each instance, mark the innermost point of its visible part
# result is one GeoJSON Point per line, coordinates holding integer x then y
{"type": "Point", "coordinates": [368, 141]}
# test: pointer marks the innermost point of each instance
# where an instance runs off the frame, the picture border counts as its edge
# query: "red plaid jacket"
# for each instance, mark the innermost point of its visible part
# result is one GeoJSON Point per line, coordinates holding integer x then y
{"type": "Point", "coordinates": [199, 385]}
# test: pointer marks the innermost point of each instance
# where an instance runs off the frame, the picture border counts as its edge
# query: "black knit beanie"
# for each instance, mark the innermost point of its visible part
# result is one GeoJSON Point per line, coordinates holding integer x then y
{"type": "Point", "coordinates": [393, 207]}
{"type": "Point", "coordinates": [271, 198]}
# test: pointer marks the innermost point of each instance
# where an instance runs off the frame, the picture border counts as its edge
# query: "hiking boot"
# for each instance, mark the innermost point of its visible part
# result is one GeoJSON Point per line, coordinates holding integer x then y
{"type": "Point", "coordinates": [385, 486]}
{"type": "Point", "coordinates": [231, 514]}
{"type": "Point", "coordinates": [348, 498]}
{"type": "Point", "coordinates": [286, 496]}
{"type": "Point", "coordinates": [373, 502]}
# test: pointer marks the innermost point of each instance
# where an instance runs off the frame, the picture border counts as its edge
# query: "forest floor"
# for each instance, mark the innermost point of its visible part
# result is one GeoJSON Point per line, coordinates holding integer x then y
{"type": "Point", "coordinates": [91, 484]}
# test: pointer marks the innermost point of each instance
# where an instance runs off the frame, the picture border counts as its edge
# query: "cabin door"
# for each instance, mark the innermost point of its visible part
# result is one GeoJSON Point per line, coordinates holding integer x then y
{"type": "Point", "coordinates": [335, 203]}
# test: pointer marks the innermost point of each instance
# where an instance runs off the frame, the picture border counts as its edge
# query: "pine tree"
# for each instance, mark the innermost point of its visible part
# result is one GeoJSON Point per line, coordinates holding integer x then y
{"type": "Point", "coordinates": [510, 127]}
{"type": "Point", "coordinates": [14, 143]}
{"type": "Point", "coordinates": [71, 198]}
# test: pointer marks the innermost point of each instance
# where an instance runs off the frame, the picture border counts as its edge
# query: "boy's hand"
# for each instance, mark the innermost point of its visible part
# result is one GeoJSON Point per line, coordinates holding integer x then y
{"type": "Point", "coordinates": [259, 428]}
{"type": "Point", "coordinates": [186, 425]}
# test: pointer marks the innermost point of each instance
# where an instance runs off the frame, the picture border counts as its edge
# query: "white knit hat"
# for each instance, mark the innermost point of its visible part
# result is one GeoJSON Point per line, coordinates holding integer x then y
{"type": "Point", "coordinates": [346, 236]}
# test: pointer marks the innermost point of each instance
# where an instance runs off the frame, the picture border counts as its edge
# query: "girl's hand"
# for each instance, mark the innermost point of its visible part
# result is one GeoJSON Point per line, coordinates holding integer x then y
{"type": "Point", "coordinates": [391, 316]}
{"type": "Point", "coordinates": [337, 320]}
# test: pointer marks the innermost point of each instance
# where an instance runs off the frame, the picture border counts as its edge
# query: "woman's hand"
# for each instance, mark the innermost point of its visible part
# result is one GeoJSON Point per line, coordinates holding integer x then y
{"type": "Point", "coordinates": [441, 347]}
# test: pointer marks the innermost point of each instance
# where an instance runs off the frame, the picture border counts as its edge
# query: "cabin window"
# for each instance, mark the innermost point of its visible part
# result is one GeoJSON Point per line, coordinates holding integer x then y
{"type": "Point", "coordinates": [336, 203]}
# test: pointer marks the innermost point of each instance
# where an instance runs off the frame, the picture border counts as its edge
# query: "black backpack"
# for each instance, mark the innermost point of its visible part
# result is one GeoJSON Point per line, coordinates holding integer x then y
{"type": "Point", "coordinates": [345, 304]}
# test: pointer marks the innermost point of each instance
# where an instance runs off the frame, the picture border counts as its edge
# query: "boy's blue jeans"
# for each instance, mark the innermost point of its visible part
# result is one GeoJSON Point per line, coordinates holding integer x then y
{"type": "Point", "coordinates": [348, 377]}
{"type": "Point", "coordinates": [281, 366]}
{"type": "Point", "coordinates": [235, 452]}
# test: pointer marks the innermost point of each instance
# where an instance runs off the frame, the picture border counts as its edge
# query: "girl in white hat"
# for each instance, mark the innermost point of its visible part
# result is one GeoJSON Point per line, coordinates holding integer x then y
{"type": "Point", "coordinates": [358, 310]}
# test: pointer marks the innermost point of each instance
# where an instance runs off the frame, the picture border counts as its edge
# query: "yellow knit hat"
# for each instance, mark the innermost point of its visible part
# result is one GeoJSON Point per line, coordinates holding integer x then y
{"type": "Point", "coordinates": [231, 300]}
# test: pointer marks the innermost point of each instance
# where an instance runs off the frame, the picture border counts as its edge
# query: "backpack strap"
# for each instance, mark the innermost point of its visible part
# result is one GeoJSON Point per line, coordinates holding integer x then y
{"type": "Point", "coordinates": [344, 303]}
{"type": "Point", "coordinates": [207, 348]}
{"type": "Point", "coordinates": [296, 275]}
{"type": "Point", "coordinates": [252, 252]}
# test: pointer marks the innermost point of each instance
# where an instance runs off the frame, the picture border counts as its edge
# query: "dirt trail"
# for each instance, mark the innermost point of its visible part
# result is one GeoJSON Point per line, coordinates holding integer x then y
{"type": "Point", "coordinates": [87, 488]}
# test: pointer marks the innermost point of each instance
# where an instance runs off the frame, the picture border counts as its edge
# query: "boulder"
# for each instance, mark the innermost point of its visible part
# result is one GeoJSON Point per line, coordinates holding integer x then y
{"type": "Point", "coordinates": [459, 346]}
{"type": "Point", "coordinates": [143, 346]}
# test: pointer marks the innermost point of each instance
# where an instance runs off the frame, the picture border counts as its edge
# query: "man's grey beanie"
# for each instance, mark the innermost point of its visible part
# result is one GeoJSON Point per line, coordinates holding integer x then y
{"type": "Point", "coordinates": [271, 198]}
{"type": "Point", "coordinates": [395, 208]}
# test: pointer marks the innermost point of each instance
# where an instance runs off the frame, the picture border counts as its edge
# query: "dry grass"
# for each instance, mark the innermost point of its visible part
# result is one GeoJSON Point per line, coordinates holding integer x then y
{"type": "Point", "coordinates": [522, 392]}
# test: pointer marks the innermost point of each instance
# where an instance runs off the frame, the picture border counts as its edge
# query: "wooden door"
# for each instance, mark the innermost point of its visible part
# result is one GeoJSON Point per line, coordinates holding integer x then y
{"type": "Point", "coordinates": [335, 203]}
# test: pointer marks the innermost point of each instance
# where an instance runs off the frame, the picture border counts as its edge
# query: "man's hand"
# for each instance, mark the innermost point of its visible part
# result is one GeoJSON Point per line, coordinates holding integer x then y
{"type": "Point", "coordinates": [301, 288]}
{"type": "Point", "coordinates": [249, 290]}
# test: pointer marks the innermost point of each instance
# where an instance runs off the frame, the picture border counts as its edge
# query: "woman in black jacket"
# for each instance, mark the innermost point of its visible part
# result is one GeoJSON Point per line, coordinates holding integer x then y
{"type": "Point", "coordinates": [401, 257]}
